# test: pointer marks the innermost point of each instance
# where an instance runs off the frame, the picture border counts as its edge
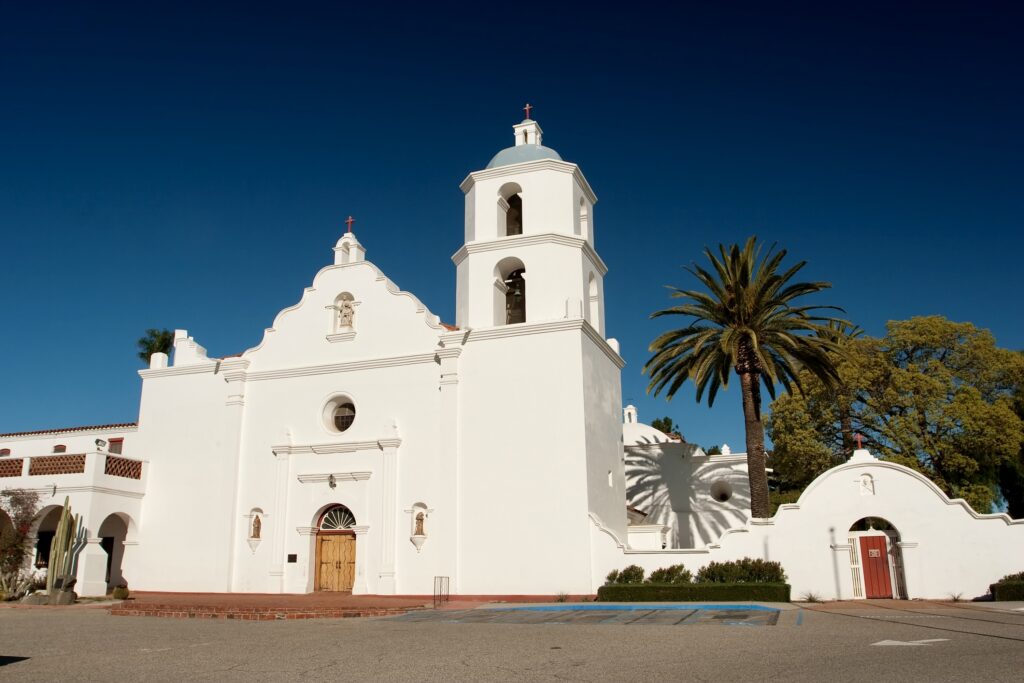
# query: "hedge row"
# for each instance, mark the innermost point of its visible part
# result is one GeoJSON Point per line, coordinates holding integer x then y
{"type": "Point", "coordinates": [694, 592]}
{"type": "Point", "coordinates": [1007, 590]}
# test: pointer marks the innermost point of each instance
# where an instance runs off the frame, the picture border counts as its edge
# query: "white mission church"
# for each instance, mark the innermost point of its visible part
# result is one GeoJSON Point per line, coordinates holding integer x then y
{"type": "Point", "coordinates": [358, 446]}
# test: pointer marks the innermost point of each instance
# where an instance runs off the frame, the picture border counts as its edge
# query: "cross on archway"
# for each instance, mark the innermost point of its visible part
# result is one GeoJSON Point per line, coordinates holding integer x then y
{"type": "Point", "coordinates": [528, 108]}
{"type": "Point", "coordinates": [349, 221]}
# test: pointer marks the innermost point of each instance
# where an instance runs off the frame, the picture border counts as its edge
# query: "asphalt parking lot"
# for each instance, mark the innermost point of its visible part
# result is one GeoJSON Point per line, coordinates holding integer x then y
{"type": "Point", "coordinates": [596, 613]}
{"type": "Point", "coordinates": [837, 642]}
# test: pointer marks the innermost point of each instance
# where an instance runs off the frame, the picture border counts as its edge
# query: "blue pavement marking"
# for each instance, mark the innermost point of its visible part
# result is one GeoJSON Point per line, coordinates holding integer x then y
{"type": "Point", "coordinates": [612, 606]}
{"type": "Point", "coordinates": [800, 617]}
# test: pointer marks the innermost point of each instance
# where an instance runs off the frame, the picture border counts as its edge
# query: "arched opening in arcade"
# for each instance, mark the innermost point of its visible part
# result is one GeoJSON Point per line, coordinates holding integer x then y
{"type": "Point", "coordinates": [112, 533]}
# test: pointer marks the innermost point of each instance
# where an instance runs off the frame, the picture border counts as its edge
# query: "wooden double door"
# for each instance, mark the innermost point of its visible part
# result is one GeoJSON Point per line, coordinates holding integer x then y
{"type": "Point", "coordinates": [336, 562]}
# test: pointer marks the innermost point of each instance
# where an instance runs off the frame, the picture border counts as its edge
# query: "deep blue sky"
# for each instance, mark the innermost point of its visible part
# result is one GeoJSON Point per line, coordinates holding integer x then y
{"type": "Point", "coordinates": [172, 166]}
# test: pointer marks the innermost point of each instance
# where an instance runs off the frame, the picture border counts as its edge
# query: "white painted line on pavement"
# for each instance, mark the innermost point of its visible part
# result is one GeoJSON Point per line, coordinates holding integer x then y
{"type": "Point", "coordinates": [911, 643]}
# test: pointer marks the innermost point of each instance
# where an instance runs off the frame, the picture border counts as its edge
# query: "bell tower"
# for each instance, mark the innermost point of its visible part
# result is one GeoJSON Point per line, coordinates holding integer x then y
{"type": "Point", "coordinates": [538, 384]}
{"type": "Point", "coordinates": [529, 242]}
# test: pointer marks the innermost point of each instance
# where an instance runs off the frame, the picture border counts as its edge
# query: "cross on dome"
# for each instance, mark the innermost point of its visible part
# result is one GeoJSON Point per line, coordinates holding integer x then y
{"type": "Point", "coordinates": [349, 221]}
{"type": "Point", "coordinates": [528, 108]}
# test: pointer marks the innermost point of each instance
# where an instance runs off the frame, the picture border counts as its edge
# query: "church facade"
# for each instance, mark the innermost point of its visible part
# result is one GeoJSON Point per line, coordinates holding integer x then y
{"type": "Point", "coordinates": [363, 444]}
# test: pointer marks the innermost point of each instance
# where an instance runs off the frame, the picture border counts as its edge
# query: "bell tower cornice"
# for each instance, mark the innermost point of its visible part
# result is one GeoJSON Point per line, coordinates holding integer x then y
{"type": "Point", "coordinates": [530, 167]}
{"type": "Point", "coordinates": [531, 240]}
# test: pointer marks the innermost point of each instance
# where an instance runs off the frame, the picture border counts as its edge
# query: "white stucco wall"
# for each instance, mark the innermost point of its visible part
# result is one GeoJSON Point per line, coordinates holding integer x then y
{"type": "Point", "coordinates": [948, 549]}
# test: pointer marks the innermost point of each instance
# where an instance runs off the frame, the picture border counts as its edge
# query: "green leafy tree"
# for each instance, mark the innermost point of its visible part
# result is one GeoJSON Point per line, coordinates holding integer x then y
{"type": "Point", "coordinates": [934, 395]}
{"type": "Point", "coordinates": [714, 450]}
{"type": "Point", "coordinates": [665, 424]}
{"type": "Point", "coordinates": [749, 321]}
{"type": "Point", "coordinates": [155, 341]}
{"type": "Point", "coordinates": [809, 447]}
{"type": "Point", "coordinates": [1011, 472]}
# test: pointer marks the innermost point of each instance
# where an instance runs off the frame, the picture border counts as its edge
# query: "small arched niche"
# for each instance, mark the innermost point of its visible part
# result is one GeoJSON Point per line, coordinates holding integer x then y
{"type": "Point", "coordinates": [256, 524]}
{"type": "Point", "coordinates": [344, 312]}
{"type": "Point", "coordinates": [418, 515]}
{"type": "Point", "coordinates": [509, 292]}
{"type": "Point", "coordinates": [510, 210]}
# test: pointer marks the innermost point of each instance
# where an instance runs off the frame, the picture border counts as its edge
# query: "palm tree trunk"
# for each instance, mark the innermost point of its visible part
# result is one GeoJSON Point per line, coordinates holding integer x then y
{"type": "Point", "coordinates": [750, 383]}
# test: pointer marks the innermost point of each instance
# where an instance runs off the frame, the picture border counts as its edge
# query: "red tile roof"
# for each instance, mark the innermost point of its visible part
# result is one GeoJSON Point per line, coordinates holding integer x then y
{"type": "Point", "coordinates": [65, 430]}
{"type": "Point", "coordinates": [450, 328]}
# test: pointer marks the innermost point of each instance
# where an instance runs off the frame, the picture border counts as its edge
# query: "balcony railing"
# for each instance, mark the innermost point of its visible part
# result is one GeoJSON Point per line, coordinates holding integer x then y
{"type": "Point", "coordinates": [65, 463]}
{"type": "Point", "coordinates": [92, 466]}
{"type": "Point", "coordinates": [117, 466]}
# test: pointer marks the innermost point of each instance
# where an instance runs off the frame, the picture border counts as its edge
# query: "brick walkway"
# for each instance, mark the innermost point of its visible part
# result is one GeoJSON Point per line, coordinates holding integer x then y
{"type": "Point", "coordinates": [265, 607]}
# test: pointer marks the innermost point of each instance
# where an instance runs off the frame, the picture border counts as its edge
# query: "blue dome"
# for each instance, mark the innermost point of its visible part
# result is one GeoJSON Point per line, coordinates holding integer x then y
{"type": "Point", "coordinates": [521, 153]}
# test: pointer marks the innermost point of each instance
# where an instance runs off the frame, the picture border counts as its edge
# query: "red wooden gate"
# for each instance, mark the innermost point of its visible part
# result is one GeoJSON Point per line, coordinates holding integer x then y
{"type": "Point", "coordinates": [875, 563]}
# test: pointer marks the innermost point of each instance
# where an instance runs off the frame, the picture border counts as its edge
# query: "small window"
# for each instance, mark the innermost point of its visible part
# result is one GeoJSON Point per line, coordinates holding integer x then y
{"type": "Point", "coordinates": [344, 416]}
{"type": "Point", "coordinates": [5, 451]}
{"type": "Point", "coordinates": [115, 446]}
{"type": "Point", "coordinates": [60, 448]}
{"type": "Point", "coordinates": [721, 491]}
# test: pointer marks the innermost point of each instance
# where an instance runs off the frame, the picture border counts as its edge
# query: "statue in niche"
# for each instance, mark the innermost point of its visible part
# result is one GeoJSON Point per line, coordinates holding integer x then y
{"type": "Point", "coordinates": [257, 526]}
{"type": "Point", "coordinates": [419, 525]}
{"type": "Point", "coordinates": [346, 313]}
{"type": "Point", "coordinates": [867, 485]}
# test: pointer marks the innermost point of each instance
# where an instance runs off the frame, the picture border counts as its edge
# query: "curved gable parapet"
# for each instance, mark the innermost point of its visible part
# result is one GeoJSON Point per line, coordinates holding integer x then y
{"type": "Point", "coordinates": [430, 320]}
{"type": "Point", "coordinates": [382, 319]}
{"type": "Point", "coordinates": [913, 475]}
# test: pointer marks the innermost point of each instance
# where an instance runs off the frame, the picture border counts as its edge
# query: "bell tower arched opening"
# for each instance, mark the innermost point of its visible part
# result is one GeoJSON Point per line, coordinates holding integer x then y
{"type": "Point", "coordinates": [509, 292]}
{"type": "Point", "coordinates": [510, 210]}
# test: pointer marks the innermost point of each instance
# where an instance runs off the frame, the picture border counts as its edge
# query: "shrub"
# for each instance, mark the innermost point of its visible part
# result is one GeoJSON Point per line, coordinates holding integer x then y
{"type": "Point", "coordinates": [1012, 577]}
{"type": "Point", "coordinates": [676, 574]}
{"type": "Point", "coordinates": [1007, 590]}
{"type": "Point", "coordinates": [631, 574]}
{"type": "Point", "coordinates": [691, 592]}
{"type": "Point", "coordinates": [121, 592]}
{"type": "Point", "coordinates": [747, 570]}
{"type": "Point", "coordinates": [14, 584]}
{"type": "Point", "coordinates": [20, 506]}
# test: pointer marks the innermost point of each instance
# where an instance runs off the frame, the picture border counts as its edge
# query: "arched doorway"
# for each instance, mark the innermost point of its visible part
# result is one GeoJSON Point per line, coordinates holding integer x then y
{"type": "Point", "coordinates": [336, 550]}
{"type": "Point", "coordinates": [876, 564]}
{"type": "Point", "coordinates": [46, 528]}
{"type": "Point", "coordinates": [112, 535]}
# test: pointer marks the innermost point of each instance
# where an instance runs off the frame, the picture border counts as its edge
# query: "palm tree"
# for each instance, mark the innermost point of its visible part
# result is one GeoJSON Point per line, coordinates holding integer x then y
{"type": "Point", "coordinates": [155, 341]}
{"type": "Point", "coordinates": [747, 322]}
{"type": "Point", "coordinates": [844, 396]}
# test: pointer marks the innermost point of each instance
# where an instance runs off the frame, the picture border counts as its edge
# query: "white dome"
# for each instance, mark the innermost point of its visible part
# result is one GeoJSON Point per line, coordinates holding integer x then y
{"type": "Point", "coordinates": [639, 434]}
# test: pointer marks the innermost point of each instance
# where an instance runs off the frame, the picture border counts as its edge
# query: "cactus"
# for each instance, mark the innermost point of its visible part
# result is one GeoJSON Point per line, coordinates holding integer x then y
{"type": "Point", "coordinates": [62, 556]}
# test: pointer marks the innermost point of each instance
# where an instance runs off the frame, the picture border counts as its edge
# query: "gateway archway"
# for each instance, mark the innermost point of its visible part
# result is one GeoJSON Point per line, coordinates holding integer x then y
{"type": "Point", "coordinates": [335, 550]}
{"type": "Point", "coordinates": [876, 564]}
